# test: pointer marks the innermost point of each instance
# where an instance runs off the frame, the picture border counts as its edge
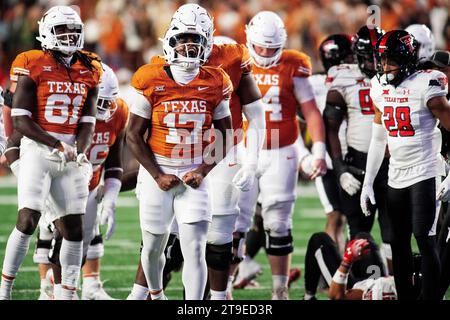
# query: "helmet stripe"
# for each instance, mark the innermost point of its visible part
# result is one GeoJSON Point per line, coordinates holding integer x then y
{"type": "Point", "coordinates": [382, 45]}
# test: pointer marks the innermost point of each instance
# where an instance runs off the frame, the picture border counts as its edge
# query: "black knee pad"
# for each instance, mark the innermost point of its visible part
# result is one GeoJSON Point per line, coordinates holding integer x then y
{"type": "Point", "coordinates": [279, 246]}
{"type": "Point", "coordinates": [218, 257]}
{"type": "Point", "coordinates": [53, 255]}
{"type": "Point", "coordinates": [174, 256]}
{"type": "Point", "coordinates": [97, 240]}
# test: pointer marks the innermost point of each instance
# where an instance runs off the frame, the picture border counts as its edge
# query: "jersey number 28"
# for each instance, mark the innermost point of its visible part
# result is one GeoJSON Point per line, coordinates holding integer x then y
{"type": "Point", "coordinates": [398, 124]}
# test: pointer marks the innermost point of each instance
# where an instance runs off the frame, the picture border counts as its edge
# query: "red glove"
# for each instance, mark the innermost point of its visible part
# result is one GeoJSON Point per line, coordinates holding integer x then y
{"type": "Point", "coordinates": [355, 250]}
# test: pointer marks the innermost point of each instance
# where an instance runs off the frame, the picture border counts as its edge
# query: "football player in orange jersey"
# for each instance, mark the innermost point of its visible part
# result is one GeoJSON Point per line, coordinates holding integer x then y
{"type": "Point", "coordinates": [282, 77]}
{"type": "Point", "coordinates": [179, 102]}
{"type": "Point", "coordinates": [236, 171]}
{"type": "Point", "coordinates": [54, 109]}
{"type": "Point", "coordinates": [105, 155]}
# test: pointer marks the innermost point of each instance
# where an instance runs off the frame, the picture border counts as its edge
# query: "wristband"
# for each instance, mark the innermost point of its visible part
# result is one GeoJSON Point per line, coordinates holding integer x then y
{"type": "Point", "coordinates": [318, 150]}
{"type": "Point", "coordinates": [340, 277]}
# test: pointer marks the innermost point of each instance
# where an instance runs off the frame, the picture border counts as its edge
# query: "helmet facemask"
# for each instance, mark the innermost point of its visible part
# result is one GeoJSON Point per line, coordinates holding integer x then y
{"type": "Point", "coordinates": [189, 50]}
{"type": "Point", "coordinates": [61, 30]}
{"type": "Point", "coordinates": [105, 108]}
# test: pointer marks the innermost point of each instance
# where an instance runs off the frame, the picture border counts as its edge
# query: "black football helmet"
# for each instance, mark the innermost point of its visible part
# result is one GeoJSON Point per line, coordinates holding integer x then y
{"type": "Point", "coordinates": [335, 49]}
{"type": "Point", "coordinates": [364, 43]}
{"type": "Point", "coordinates": [399, 47]}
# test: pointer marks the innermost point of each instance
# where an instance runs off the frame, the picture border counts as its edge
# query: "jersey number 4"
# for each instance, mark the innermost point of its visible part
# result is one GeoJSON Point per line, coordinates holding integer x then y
{"type": "Point", "coordinates": [272, 103]}
{"type": "Point", "coordinates": [398, 124]}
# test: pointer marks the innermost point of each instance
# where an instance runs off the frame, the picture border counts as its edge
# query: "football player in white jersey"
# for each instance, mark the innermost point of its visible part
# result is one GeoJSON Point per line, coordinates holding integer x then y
{"type": "Point", "coordinates": [441, 61]}
{"type": "Point", "coordinates": [425, 39]}
{"type": "Point", "coordinates": [350, 280]}
{"type": "Point", "coordinates": [349, 97]}
{"type": "Point", "coordinates": [408, 104]}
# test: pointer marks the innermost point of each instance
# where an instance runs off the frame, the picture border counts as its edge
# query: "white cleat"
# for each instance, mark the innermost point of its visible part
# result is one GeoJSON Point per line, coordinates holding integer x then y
{"type": "Point", "coordinates": [248, 270]}
{"type": "Point", "coordinates": [95, 291]}
{"type": "Point", "coordinates": [280, 294]}
{"type": "Point", "coordinates": [46, 292]}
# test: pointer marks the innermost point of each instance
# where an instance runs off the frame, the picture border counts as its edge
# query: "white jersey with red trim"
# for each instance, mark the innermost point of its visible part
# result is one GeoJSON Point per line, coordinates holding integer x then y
{"type": "Point", "coordinates": [354, 86]}
{"type": "Point", "coordinates": [413, 138]}
{"type": "Point", "coordinates": [382, 288]}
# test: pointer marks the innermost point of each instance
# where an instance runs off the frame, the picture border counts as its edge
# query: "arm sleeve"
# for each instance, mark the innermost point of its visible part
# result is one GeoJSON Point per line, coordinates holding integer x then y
{"type": "Point", "coordinates": [139, 105]}
{"type": "Point", "coordinates": [255, 115]}
{"type": "Point", "coordinates": [437, 86]}
{"type": "Point", "coordinates": [376, 152]}
{"type": "Point", "coordinates": [302, 89]}
{"type": "Point", "coordinates": [222, 110]}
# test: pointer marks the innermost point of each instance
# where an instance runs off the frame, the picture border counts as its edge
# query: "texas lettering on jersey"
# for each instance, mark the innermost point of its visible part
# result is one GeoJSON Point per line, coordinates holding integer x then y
{"type": "Point", "coordinates": [235, 60]}
{"type": "Point", "coordinates": [181, 115]}
{"type": "Point", "coordinates": [61, 92]}
{"type": "Point", "coordinates": [277, 88]}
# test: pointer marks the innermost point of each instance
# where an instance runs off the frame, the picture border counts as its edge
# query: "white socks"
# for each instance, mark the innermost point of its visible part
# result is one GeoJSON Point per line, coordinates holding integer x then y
{"type": "Point", "coordinates": [193, 247]}
{"type": "Point", "coordinates": [70, 258]}
{"type": "Point", "coordinates": [16, 250]}
{"type": "Point", "coordinates": [279, 281]}
{"type": "Point", "coordinates": [158, 296]}
{"type": "Point", "coordinates": [138, 293]}
{"type": "Point", "coordinates": [218, 295]}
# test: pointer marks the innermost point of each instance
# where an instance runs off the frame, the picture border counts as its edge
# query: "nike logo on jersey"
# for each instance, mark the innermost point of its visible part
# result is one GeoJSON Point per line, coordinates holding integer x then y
{"type": "Point", "coordinates": [290, 158]}
{"type": "Point", "coordinates": [83, 71]}
{"type": "Point", "coordinates": [202, 88]}
{"type": "Point", "coordinates": [232, 164]}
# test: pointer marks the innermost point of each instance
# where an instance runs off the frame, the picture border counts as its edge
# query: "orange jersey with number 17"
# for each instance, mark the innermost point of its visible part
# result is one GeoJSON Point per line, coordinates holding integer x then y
{"type": "Point", "coordinates": [235, 60]}
{"type": "Point", "coordinates": [181, 114]}
{"type": "Point", "coordinates": [61, 92]}
{"type": "Point", "coordinates": [277, 88]}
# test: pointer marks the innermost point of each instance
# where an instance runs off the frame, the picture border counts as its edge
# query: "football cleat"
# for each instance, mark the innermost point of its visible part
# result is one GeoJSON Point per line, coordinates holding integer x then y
{"type": "Point", "coordinates": [280, 294]}
{"type": "Point", "coordinates": [95, 291]}
{"type": "Point", "coordinates": [248, 270]}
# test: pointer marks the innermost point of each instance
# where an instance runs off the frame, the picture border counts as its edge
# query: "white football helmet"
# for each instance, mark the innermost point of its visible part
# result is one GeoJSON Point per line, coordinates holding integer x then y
{"type": "Point", "coordinates": [192, 22]}
{"type": "Point", "coordinates": [266, 29]}
{"type": "Point", "coordinates": [223, 40]}
{"type": "Point", "coordinates": [425, 38]}
{"type": "Point", "coordinates": [67, 42]}
{"type": "Point", "coordinates": [107, 94]}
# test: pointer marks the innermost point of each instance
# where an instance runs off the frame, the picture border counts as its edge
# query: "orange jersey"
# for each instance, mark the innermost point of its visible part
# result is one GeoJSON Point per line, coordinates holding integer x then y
{"type": "Point", "coordinates": [61, 92]}
{"type": "Point", "coordinates": [235, 60]}
{"type": "Point", "coordinates": [105, 135]}
{"type": "Point", "coordinates": [277, 88]}
{"type": "Point", "coordinates": [181, 114]}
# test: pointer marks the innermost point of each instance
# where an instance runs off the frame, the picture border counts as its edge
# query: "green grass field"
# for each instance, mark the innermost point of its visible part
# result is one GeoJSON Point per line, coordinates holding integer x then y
{"type": "Point", "coordinates": [121, 252]}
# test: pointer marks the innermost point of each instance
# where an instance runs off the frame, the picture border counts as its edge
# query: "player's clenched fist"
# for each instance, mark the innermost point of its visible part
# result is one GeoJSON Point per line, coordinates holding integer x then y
{"type": "Point", "coordinates": [193, 179]}
{"type": "Point", "coordinates": [167, 181]}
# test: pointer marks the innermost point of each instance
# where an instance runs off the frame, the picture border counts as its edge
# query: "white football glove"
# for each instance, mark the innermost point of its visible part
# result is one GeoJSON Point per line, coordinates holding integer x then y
{"type": "Point", "coordinates": [349, 183]}
{"type": "Point", "coordinates": [443, 193]}
{"type": "Point", "coordinates": [82, 161]}
{"type": "Point", "coordinates": [108, 214]}
{"type": "Point", "coordinates": [70, 151]}
{"type": "Point", "coordinates": [245, 177]}
{"type": "Point", "coordinates": [108, 217]}
{"type": "Point", "coordinates": [367, 195]}
{"type": "Point", "coordinates": [306, 164]}
{"type": "Point", "coordinates": [15, 166]}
